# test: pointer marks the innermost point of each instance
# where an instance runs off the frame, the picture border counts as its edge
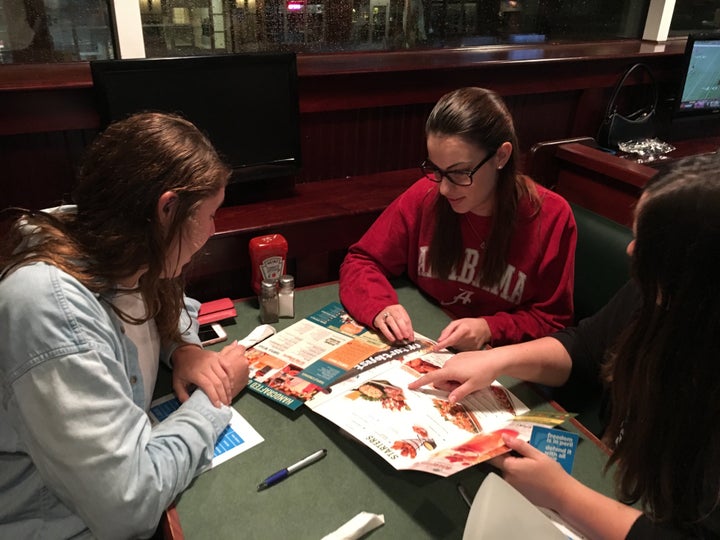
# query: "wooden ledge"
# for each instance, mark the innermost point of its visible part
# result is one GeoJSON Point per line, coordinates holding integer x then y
{"type": "Point", "coordinates": [77, 74]}
{"type": "Point", "coordinates": [324, 199]}
{"type": "Point", "coordinates": [320, 220]}
{"type": "Point", "coordinates": [603, 162]}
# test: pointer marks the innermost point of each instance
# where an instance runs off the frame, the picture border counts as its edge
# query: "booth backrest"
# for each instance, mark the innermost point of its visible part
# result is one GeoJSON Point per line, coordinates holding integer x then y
{"type": "Point", "coordinates": [602, 265]}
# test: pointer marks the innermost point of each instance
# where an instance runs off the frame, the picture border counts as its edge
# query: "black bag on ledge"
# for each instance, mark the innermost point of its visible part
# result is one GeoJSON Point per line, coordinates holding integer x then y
{"type": "Point", "coordinates": [640, 124]}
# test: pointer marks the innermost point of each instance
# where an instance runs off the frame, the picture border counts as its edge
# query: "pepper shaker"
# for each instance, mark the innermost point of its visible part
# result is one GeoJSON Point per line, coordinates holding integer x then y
{"type": "Point", "coordinates": [269, 306]}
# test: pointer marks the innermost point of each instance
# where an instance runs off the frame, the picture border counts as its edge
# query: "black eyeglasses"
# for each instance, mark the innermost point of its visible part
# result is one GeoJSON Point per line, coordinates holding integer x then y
{"type": "Point", "coordinates": [459, 178]}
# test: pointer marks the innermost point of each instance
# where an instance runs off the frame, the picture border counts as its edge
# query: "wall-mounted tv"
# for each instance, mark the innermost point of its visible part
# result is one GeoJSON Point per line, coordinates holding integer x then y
{"type": "Point", "coordinates": [700, 89]}
{"type": "Point", "coordinates": [247, 104]}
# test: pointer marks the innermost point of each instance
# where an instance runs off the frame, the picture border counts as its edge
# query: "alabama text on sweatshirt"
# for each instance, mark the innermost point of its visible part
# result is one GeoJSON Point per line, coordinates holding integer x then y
{"type": "Point", "coordinates": [533, 298]}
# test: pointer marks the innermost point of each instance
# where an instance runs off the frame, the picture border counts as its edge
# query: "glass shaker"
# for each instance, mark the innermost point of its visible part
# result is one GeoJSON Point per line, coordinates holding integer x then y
{"type": "Point", "coordinates": [286, 296]}
{"type": "Point", "coordinates": [268, 299]}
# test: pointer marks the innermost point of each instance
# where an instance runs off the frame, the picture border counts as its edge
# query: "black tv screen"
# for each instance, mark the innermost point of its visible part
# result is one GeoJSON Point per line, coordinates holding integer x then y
{"type": "Point", "coordinates": [700, 90]}
{"type": "Point", "coordinates": [247, 104]}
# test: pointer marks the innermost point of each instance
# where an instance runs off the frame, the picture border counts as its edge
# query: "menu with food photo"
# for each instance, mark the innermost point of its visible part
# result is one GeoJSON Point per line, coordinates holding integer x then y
{"type": "Point", "coordinates": [421, 430]}
{"type": "Point", "coordinates": [349, 375]}
{"type": "Point", "coordinates": [309, 356]}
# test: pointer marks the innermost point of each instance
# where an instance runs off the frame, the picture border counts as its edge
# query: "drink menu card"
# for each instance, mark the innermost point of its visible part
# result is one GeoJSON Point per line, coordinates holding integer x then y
{"type": "Point", "coordinates": [237, 437]}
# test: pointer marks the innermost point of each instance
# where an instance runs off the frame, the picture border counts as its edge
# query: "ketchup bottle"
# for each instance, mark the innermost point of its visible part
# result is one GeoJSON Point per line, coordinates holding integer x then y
{"type": "Point", "coordinates": [267, 255]}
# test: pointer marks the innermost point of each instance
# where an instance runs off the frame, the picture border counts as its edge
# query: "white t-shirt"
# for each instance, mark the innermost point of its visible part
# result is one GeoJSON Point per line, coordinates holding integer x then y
{"type": "Point", "coordinates": [145, 337]}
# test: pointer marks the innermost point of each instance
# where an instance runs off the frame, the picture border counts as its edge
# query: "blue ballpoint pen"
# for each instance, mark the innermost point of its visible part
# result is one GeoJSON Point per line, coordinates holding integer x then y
{"type": "Point", "coordinates": [284, 473]}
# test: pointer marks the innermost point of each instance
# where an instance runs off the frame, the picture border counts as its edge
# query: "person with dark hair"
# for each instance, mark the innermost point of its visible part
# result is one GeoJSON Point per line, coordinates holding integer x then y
{"type": "Point", "coordinates": [655, 345]}
{"type": "Point", "coordinates": [487, 243]}
{"type": "Point", "coordinates": [91, 298]}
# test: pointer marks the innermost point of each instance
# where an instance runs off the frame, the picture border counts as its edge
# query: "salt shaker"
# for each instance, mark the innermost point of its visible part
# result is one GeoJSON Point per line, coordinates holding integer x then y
{"type": "Point", "coordinates": [269, 306]}
{"type": "Point", "coordinates": [286, 296]}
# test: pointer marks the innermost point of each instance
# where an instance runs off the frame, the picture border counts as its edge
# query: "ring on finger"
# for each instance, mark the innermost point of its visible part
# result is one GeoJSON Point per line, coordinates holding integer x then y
{"type": "Point", "coordinates": [385, 316]}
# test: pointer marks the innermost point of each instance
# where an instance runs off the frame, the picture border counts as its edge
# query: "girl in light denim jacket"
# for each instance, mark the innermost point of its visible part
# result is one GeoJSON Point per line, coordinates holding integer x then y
{"type": "Point", "coordinates": [91, 299]}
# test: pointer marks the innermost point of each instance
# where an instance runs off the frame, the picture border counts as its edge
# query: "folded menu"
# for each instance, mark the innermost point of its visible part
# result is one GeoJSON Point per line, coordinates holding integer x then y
{"type": "Point", "coordinates": [349, 375]}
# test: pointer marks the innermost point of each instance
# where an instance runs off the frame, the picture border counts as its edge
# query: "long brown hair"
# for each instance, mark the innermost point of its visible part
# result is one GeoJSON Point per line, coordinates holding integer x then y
{"type": "Point", "coordinates": [479, 117]}
{"type": "Point", "coordinates": [115, 231]}
{"type": "Point", "coordinates": [664, 375]}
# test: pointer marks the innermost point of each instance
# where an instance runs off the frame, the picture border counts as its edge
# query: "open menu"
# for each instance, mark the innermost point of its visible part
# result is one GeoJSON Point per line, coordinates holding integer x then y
{"type": "Point", "coordinates": [305, 359]}
{"type": "Point", "coordinates": [349, 375]}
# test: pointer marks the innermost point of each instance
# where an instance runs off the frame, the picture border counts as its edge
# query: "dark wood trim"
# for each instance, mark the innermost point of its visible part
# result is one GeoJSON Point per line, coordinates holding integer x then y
{"type": "Point", "coordinates": [328, 199]}
{"type": "Point", "coordinates": [21, 77]}
{"type": "Point", "coordinates": [574, 421]}
{"type": "Point", "coordinates": [170, 525]}
{"type": "Point", "coordinates": [320, 220]}
{"type": "Point", "coordinates": [582, 429]}
{"type": "Point", "coordinates": [601, 182]}
{"type": "Point", "coordinates": [47, 111]}
{"type": "Point", "coordinates": [412, 77]}
{"type": "Point", "coordinates": [350, 81]}
{"type": "Point", "coordinates": [541, 163]}
{"type": "Point", "coordinates": [77, 74]}
{"type": "Point", "coordinates": [620, 169]}
{"type": "Point", "coordinates": [608, 184]}
{"type": "Point", "coordinates": [467, 57]}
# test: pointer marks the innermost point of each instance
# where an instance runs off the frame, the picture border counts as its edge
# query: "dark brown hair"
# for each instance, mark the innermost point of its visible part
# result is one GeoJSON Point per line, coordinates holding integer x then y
{"type": "Point", "coordinates": [480, 118]}
{"type": "Point", "coordinates": [664, 376]}
{"type": "Point", "coordinates": [115, 231]}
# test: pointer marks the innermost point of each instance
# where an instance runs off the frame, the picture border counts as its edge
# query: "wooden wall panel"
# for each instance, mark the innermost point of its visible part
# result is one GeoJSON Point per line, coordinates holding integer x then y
{"type": "Point", "coordinates": [350, 143]}
{"type": "Point", "coordinates": [360, 113]}
{"type": "Point", "coordinates": [37, 170]}
{"type": "Point", "coordinates": [543, 117]}
{"type": "Point", "coordinates": [342, 144]}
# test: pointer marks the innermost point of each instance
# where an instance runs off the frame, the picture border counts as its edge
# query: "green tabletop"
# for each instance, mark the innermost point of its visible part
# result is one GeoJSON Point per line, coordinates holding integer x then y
{"type": "Point", "coordinates": [224, 502]}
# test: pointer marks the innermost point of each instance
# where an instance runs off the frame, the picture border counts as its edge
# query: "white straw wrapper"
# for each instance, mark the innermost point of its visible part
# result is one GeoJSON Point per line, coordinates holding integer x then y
{"type": "Point", "coordinates": [361, 524]}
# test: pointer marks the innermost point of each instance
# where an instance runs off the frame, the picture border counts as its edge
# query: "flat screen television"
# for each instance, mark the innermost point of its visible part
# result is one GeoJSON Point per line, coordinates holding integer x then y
{"type": "Point", "coordinates": [699, 93]}
{"type": "Point", "coordinates": [247, 104]}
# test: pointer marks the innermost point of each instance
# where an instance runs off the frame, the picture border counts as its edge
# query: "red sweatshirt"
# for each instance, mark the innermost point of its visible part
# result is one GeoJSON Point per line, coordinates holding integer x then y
{"type": "Point", "coordinates": [533, 299]}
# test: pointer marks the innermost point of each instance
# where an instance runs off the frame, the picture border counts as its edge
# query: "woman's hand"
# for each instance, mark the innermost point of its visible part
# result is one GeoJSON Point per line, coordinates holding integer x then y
{"type": "Point", "coordinates": [221, 375]}
{"type": "Point", "coordinates": [395, 324]}
{"type": "Point", "coordinates": [545, 483]}
{"type": "Point", "coordinates": [471, 334]}
{"type": "Point", "coordinates": [461, 375]}
{"type": "Point", "coordinates": [537, 476]}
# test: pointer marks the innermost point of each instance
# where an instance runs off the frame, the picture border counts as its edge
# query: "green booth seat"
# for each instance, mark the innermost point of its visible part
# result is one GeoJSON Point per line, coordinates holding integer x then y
{"type": "Point", "coordinates": [602, 267]}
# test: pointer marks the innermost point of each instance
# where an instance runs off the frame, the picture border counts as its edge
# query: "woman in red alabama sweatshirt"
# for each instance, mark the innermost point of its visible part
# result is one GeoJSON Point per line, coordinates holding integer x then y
{"type": "Point", "coordinates": [492, 247]}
